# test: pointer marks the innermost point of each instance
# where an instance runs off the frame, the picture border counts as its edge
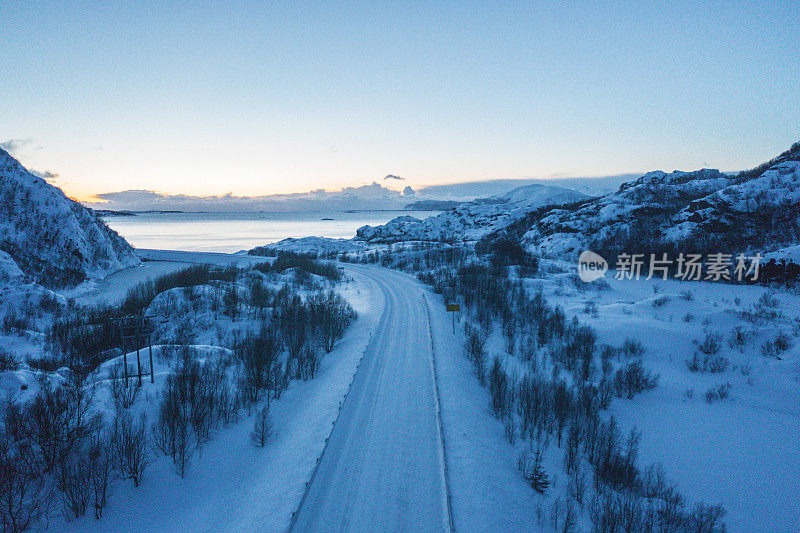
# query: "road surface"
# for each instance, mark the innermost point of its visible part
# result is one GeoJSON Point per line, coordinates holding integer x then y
{"type": "Point", "coordinates": [383, 467]}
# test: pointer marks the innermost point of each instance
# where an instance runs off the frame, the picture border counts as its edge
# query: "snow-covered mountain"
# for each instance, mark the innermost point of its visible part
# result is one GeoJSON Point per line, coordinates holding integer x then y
{"type": "Point", "coordinates": [471, 221]}
{"type": "Point", "coordinates": [50, 238]}
{"type": "Point", "coordinates": [702, 211]}
{"type": "Point", "coordinates": [469, 190]}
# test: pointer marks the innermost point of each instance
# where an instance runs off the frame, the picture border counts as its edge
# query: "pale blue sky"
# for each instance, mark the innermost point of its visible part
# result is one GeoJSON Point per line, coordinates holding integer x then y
{"type": "Point", "coordinates": [261, 97]}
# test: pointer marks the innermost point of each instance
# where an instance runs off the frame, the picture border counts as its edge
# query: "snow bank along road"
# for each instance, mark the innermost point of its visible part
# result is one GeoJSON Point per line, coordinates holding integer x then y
{"type": "Point", "coordinates": [383, 467]}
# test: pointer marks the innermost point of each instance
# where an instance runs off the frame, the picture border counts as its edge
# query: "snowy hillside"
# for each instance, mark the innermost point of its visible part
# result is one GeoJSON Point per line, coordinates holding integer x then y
{"type": "Point", "coordinates": [470, 221]}
{"type": "Point", "coordinates": [696, 210]}
{"type": "Point", "coordinates": [52, 239]}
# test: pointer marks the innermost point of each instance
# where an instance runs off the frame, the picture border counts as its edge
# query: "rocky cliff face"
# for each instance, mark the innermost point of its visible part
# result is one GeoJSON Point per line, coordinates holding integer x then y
{"type": "Point", "coordinates": [49, 238]}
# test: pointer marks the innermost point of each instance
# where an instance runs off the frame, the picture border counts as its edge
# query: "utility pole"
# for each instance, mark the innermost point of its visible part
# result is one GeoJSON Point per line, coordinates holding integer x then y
{"type": "Point", "coordinates": [138, 329]}
{"type": "Point", "coordinates": [125, 360]}
{"type": "Point", "coordinates": [150, 347]}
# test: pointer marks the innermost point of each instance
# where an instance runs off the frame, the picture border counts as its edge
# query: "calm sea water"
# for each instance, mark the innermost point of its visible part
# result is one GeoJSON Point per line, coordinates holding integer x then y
{"type": "Point", "coordinates": [231, 232]}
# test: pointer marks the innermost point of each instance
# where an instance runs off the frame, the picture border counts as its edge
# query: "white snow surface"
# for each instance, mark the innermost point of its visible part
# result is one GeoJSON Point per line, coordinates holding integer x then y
{"type": "Point", "coordinates": [317, 244]}
{"type": "Point", "coordinates": [740, 451]}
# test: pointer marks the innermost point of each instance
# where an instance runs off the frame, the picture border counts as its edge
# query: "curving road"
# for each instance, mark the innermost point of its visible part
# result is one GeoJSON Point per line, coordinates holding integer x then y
{"type": "Point", "coordinates": [383, 467]}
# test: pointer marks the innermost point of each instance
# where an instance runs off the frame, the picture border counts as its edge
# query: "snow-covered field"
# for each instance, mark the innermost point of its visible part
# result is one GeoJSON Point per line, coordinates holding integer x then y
{"type": "Point", "coordinates": [395, 432]}
{"type": "Point", "coordinates": [741, 451]}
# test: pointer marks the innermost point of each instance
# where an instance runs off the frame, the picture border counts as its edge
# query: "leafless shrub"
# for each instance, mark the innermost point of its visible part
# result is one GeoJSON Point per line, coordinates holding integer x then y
{"type": "Point", "coordinates": [258, 354]}
{"type": "Point", "coordinates": [577, 485]}
{"type": "Point", "coordinates": [510, 429]}
{"type": "Point", "coordinates": [475, 343]}
{"type": "Point", "coordinates": [190, 402]}
{"type": "Point", "coordinates": [718, 393]}
{"type": "Point", "coordinates": [562, 407]}
{"type": "Point", "coordinates": [100, 464]}
{"type": "Point", "coordinates": [632, 349]}
{"type": "Point", "coordinates": [572, 456]}
{"type": "Point", "coordinates": [533, 406]}
{"type": "Point", "coordinates": [660, 301]}
{"type": "Point", "coordinates": [307, 363]}
{"type": "Point", "coordinates": [738, 338]}
{"type": "Point", "coordinates": [569, 524]}
{"type": "Point", "coordinates": [714, 364]}
{"type": "Point", "coordinates": [331, 315]}
{"type": "Point", "coordinates": [633, 379]}
{"type": "Point", "coordinates": [710, 345]}
{"type": "Point", "coordinates": [499, 389]}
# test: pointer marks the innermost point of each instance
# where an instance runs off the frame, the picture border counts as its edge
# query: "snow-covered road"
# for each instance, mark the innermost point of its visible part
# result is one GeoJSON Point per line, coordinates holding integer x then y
{"type": "Point", "coordinates": [383, 468]}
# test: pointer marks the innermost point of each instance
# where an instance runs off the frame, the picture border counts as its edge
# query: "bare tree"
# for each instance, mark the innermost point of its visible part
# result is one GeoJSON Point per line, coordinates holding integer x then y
{"type": "Point", "coordinates": [262, 427]}
{"type": "Point", "coordinates": [57, 420]}
{"type": "Point", "coordinates": [258, 353]}
{"type": "Point", "coordinates": [24, 492]}
{"type": "Point", "coordinates": [534, 406]}
{"type": "Point", "coordinates": [75, 484]}
{"type": "Point", "coordinates": [562, 405]}
{"type": "Point", "coordinates": [533, 471]}
{"type": "Point", "coordinates": [130, 446]}
{"type": "Point", "coordinates": [499, 389]}
{"type": "Point", "coordinates": [705, 519]}
{"type": "Point", "coordinates": [123, 393]}
{"type": "Point", "coordinates": [331, 314]}
{"type": "Point", "coordinates": [100, 463]}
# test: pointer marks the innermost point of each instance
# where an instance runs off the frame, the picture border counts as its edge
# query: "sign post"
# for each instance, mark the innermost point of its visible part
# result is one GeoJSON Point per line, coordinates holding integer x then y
{"type": "Point", "coordinates": [453, 308]}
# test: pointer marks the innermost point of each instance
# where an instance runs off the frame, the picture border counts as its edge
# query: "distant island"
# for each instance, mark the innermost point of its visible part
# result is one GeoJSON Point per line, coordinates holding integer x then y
{"type": "Point", "coordinates": [432, 205]}
{"type": "Point", "coordinates": [123, 213]}
{"type": "Point", "coordinates": [112, 213]}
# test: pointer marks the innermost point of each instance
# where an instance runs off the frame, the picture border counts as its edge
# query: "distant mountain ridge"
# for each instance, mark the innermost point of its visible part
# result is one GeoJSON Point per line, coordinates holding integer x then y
{"type": "Point", "coordinates": [49, 238]}
{"type": "Point", "coordinates": [470, 190]}
{"type": "Point", "coordinates": [472, 220]}
{"type": "Point", "coordinates": [703, 211]}
{"type": "Point", "coordinates": [373, 196]}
